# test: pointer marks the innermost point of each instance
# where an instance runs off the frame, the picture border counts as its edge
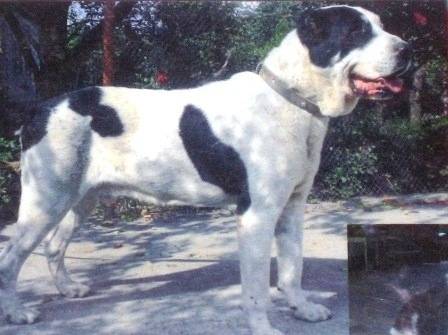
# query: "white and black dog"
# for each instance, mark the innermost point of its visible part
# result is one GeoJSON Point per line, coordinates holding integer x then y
{"type": "Point", "coordinates": [253, 141]}
{"type": "Point", "coordinates": [423, 313]}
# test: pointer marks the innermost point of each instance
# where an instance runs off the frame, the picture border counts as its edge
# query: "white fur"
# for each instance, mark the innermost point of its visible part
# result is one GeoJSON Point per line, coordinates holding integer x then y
{"type": "Point", "coordinates": [279, 143]}
{"type": "Point", "coordinates": [411, 331]}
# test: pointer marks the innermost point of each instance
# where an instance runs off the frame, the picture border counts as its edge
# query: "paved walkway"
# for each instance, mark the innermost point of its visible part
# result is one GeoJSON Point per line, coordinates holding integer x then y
{"type": "Point", "coordinates": [179, 274]}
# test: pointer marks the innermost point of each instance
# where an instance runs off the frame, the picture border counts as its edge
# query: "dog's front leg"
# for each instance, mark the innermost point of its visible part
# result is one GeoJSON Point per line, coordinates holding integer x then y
{"type": "Point", "coordinates": [289, 241]}
{"type": "Point", "coordinates": [255, 235]}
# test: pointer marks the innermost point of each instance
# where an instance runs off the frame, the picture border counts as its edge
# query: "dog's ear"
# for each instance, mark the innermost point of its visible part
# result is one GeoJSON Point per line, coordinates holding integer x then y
{"type": "Point", "coordinates": [312, 26]}
{"type": "Point", "coordinates": [404, 294]}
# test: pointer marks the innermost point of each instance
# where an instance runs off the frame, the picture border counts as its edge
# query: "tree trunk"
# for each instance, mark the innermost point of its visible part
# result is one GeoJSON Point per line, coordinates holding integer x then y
{"type": "Point", "coordinates": [445, 96]}
{"type": "Point", "coordinates": [415, 108]}
{"type": "Point", "coordinates": [17, 85]}
{"type": "Point", "coordinates": [51, 17]}
{"type": "Point", "coordinates": [108, 42]}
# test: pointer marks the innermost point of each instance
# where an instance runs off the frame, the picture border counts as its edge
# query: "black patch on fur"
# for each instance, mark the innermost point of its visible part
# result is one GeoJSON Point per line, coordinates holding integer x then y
{"type": "Point", "coordinates": [329, 31]}
{"type": "Point", "coordinates": [35, 126]}
{"type": "Point", "coordinates": [105, 120]}
{"type": "Point", "coordinates": [217, 163]}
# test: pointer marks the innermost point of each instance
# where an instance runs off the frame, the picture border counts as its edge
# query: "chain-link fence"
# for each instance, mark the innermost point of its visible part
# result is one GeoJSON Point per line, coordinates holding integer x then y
{"type": "Point", "coordinates": [367, 154]}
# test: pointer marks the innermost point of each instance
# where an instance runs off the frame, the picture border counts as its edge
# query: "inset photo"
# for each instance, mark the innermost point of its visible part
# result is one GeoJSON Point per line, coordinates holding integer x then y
{"type": "Point", "coordinates": [398, 279]}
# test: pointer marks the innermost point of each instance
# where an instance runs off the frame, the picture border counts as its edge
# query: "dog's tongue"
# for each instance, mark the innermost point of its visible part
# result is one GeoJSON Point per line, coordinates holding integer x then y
{"type": "Point", "coordinates": [370, 87]}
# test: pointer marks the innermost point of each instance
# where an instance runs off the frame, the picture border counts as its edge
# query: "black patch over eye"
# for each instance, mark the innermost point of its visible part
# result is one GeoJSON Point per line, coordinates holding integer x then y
{"type": "Point", "coordinates": [360, 29]}
{"type": "Point", "coordinates": [355, 30]}
{"type": "Point", "coordinates": [332, 31]}
{"type": "Point", "coordinates": [357, 34]}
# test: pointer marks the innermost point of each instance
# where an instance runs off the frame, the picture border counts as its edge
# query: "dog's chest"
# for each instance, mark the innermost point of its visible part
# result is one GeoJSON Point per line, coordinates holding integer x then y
{"type": "Point", "coordinates": [306, 146]}
{"type": "Point", "coordinates": [306, 135]}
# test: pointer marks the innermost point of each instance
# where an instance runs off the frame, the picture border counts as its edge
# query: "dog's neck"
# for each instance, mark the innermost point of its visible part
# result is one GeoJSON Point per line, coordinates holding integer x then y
{"type": "Point", "coordinates": [328, 87]}
{"type": "Point", "coordinates": [291, 94]}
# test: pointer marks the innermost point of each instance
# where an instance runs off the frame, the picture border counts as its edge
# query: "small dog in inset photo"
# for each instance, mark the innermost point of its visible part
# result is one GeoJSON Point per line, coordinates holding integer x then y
{"type": "Point", "coordinates": [398, 279]}
{"type": "Point", "coordinates": [424, 312]}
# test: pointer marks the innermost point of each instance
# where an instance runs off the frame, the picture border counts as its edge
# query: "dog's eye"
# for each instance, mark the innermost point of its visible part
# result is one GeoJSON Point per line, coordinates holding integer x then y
{"type": "Point", "coordinates": [357, 30]}
{"type": "Point", "coordinates": [354, 32]}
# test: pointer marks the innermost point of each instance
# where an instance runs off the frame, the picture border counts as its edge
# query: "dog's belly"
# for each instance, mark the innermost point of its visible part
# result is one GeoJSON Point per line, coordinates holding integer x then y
{"type": "Point", "coordinates": [163, 175]}
{"type": "Point", "coordinates": [151, 193]}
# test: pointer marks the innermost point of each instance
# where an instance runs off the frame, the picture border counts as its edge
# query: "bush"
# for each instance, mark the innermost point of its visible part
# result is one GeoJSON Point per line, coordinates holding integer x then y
{"type": "Point", "coordinates": [123, 208]}
{"type": "Point", "coordinates": [355, 169]}
{"type": "Point", "coordinates": [372, 156]}
{"type": "Point", "coordinates": [9, 150]}
{"type": "Point", "coordinates": [9, 180]}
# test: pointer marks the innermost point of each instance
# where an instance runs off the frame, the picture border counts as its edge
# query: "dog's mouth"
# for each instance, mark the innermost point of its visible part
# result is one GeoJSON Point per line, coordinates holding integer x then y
{"type": "Point", "coordinates": [377, 89]}
{"type": "Point", "coordinates": [380, 88]}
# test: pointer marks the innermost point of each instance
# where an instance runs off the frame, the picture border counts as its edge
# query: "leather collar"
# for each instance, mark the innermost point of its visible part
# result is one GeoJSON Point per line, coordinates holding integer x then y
{"type": "Point", "coordinates": [290, 94]}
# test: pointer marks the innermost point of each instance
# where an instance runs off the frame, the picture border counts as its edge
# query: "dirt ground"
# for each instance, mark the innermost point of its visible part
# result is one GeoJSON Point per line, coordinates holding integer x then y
{"type": "Point", "coordinates": [180, 275]}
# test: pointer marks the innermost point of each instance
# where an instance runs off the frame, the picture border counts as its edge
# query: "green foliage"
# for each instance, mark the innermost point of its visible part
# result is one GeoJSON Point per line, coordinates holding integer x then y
{"type": "Point", "coordinates": [123, 208]}
{"type": "Point", "coordinates": [259, 32]}
{"type": "Point", "coordinates": [5, 198]}
{"type": "Point", "coordinates": [188, 41]}
{"type": "Point", "coordinates": [436, 70]}
{"type": "Point", "coordinates": [402, 131]}
{"type": "Point", "coordinates": [349, 159]}
{"type": "Point", "coordinates": [366, 155]}
{"type": "Point", "coordinates": [9, 150]}
{"type": "Point", "coordinates": [354, 169]}
{"type": "Point", "coordinates": [128, 209]}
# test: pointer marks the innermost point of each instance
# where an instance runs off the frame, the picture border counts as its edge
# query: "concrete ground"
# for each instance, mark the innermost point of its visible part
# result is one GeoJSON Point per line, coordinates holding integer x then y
{"type": "Point", "coordinates": [179, 274]}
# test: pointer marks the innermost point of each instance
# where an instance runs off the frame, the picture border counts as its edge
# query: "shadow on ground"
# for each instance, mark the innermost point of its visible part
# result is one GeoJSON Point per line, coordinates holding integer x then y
{"type": "Point", "coordinates": [178, 275]}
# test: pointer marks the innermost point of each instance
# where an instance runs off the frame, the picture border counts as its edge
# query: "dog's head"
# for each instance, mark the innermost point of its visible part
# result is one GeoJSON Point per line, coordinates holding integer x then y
{"type": "Point", "coordinates": [349, 46]}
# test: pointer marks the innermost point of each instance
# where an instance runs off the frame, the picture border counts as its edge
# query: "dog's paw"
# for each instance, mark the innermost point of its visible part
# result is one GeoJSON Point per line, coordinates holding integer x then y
{"type": "Point", "coordinates": [22, 315]}
{"type": "Point", "coordinates": [72, 289]}
{"type": "Point", "coordinates": [310, 311]}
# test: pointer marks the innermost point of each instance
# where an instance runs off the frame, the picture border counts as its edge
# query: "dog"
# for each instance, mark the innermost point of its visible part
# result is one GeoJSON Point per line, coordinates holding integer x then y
{"type": "Point", "coordinates": [422, 313]}
{"type": "Point", "coordinates": [251, 142]}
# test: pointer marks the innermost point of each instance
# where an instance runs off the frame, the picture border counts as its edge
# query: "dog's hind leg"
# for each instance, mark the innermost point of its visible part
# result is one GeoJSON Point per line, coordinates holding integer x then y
{"type": "Point", "coordinates": [255, 235]}
{"type": "Point", "coordinates": [56, 244]}
{"type": "Point", "coordinates": [289, 241]}
{"type": "Point", "coordinates": [42, 207]}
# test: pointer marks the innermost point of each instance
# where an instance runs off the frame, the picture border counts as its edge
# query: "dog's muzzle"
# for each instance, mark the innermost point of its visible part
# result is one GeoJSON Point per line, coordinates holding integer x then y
{"type": "Point", "coordinates": [386, 86]}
